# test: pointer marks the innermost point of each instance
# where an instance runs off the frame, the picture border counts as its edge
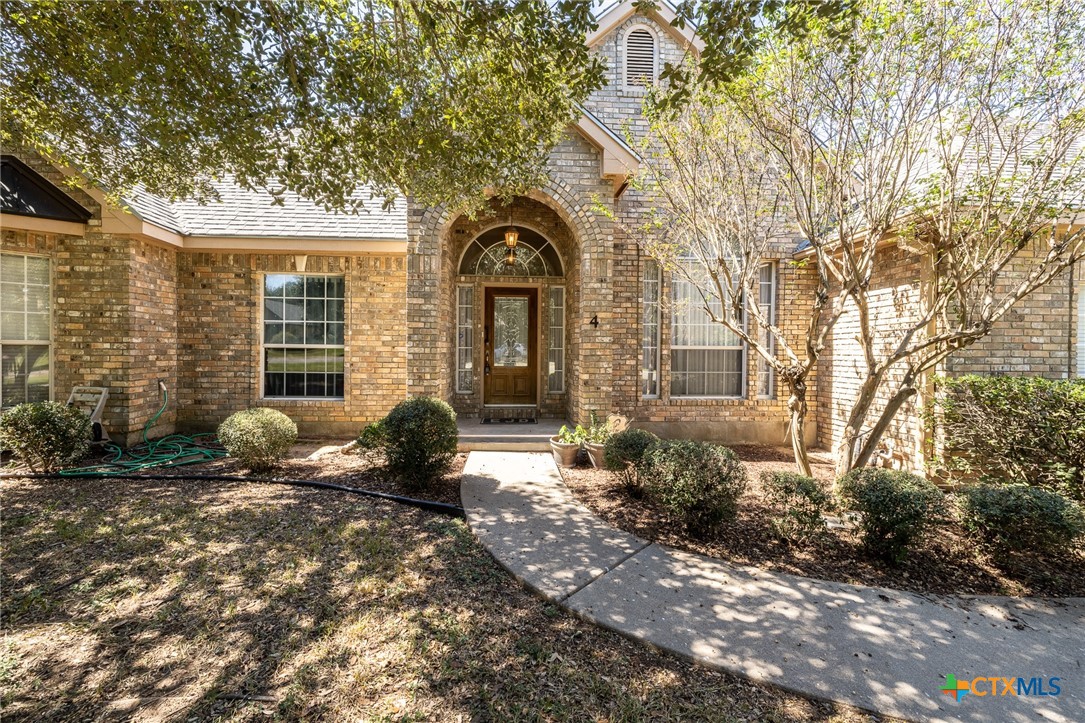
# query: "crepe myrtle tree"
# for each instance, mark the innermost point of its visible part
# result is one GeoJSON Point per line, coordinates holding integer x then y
{"type": "Point", "coordinates": [956, 129]}
{"type": "Point", "coordinates": [340, 101]}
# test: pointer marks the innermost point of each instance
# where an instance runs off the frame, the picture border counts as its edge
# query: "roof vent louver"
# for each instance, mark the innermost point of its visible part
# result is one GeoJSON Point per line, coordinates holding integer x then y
{"type": "Point", "coordinates": [640, 58]}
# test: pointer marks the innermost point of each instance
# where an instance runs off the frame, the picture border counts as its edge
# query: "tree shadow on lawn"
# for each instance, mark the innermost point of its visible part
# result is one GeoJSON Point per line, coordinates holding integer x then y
{"type": "Point", "coordinates": [177, 599]}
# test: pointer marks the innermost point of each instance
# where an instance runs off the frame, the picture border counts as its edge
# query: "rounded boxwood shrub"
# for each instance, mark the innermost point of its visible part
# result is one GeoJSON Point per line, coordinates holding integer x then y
{"type": "Point", "coordinates": [46, 436]}
{"type": "Point", "coordinates": [625, 448]}
{"type": "Point", "coordinates": [623, 452]}
{"type": "Point", "coordinates": [1021, 518]}
{"type": "Point", "coordinates": [420, 439]}
{"type": "Point", "coordinates": [702, 482]}
{"type": "Point", "coordinates": [258, 438]}
{"type": "Point", "coordinates": [897, 508]}
{"type": "Point", "coordinates": [802, 500]}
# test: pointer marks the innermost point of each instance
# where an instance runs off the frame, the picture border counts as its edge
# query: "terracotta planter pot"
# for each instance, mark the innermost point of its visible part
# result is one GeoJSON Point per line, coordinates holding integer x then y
{"type": "Point", "coordinates": [595, 452]}
{"type": "Point", "coordinates": [564, 453]}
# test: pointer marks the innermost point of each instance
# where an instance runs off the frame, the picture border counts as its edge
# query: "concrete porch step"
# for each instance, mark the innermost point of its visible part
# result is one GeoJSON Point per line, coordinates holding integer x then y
{"type": "Point", "coordinates": [506, 437]}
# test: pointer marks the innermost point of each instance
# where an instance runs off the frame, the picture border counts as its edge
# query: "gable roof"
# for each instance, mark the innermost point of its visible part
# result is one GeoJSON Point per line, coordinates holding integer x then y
{"type": "Point", "coordinates": [619, 160]}
{"type": "Point", "coordinates": [611, 15]}
{"type": "Point", "coordinates": [25, 192]}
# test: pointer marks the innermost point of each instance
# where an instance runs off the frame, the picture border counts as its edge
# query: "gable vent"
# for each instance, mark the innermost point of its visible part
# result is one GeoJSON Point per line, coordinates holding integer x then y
{"type": "Point", "coordinates": [640, 58]}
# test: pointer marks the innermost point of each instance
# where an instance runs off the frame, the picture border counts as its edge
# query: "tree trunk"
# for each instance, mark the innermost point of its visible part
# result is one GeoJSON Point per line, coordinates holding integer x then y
{"type": "Point", "coordinates": [864, 400]}
{"type": "Point", "coordinates": [870, 444]}
{"type": "Point", "coordinates": [796, 404]}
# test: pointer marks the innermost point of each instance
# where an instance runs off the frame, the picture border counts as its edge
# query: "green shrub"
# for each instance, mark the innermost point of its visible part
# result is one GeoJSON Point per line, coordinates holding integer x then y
{"type": "Point", "coordinates": [258, 438]}
{"type": "Point", "coordinates": [1016, 429]}
{"type": "Point", "coordinates": [803, 501]}
{"type": "Point", "coordinates": [702, 482]}
{"type": "Point", "coordinates": [1019, 518]}
{"type": "Point", "coordinates": [372, 437]}
{"type": "Point", "coordinates": [897, 509]}
{"type": "Point", "coordinates": [46, 436]}
{"type": "Point", "coordinates": [420, 440]}
{"type": "Point", "coordinates": [625, 448]}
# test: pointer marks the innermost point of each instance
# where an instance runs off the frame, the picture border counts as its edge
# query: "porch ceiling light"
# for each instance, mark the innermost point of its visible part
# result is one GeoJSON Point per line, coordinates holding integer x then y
{"type": "Point", "coordinates": [511, 237]}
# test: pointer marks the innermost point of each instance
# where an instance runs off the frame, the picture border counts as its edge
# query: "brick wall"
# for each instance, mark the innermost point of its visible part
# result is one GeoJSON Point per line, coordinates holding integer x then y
{"type": "Point", "coordinates": [114, 314]}
{"type": "Point", "coordinates": [152, 335]}
{"type": "Point", "coordinates": [894, 296]}
{"type": "Point", "coordinates": [1036, 337]}
{"type": "Point", "coordinates": [219, 334]}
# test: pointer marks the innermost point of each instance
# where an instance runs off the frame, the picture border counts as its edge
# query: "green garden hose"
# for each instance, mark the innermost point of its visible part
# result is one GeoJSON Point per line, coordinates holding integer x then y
{"type": "Point", "coordinates": [171, 451]}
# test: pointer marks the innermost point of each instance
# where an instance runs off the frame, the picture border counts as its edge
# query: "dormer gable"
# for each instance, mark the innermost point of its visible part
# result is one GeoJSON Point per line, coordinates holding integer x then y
{"type": "Point", "coordinates": [612, 17]}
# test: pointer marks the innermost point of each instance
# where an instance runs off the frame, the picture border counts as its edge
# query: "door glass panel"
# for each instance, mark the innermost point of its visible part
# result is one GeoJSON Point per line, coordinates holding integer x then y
{"type": "Point", "coordinates": [511, 344]}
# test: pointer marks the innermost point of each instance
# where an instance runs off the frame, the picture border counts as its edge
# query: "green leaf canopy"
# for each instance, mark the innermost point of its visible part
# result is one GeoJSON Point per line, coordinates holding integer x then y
{"type": "Point", "coordinates": [341, 101]}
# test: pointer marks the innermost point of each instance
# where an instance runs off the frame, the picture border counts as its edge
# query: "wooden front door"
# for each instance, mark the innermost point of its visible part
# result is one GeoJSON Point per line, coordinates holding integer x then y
{"type": "Point", "coordinates": [511, 335]}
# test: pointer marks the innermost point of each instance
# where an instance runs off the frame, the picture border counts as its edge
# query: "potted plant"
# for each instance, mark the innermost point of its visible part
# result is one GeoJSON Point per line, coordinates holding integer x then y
{"type": "Point", "coordinates": [595, 440]}
{"type": "Point", "coordinates": [566, 445]}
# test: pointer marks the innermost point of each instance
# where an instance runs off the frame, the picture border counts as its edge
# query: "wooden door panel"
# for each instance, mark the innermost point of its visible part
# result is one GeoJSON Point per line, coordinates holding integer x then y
{"type": "Point", "coordinates": [511, 346]}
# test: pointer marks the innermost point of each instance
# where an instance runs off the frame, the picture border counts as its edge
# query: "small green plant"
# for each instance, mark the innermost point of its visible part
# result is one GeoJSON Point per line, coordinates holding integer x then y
{"type": "Point", "coordinates": [700, 481]}
{"type": "Point", "coordinates": [46, 436]}
{"type": "Point", "coordinates": [597, 432]}
{"type": "Point", "coordinates": [372, 437]}
{"type": "Point", "coordinates": [802, 500]}
{"type": "Point", "coordinates": [258, 438]}
{"type": "Point", "coordinates": [897, 509]}
{"type": "Point", "coordinates": [624, 450]}
{"type": "Point", "coordinates": [1020, 518]}
{"type": "Point", "coordinates": [575, 435]}
{"type": "Point", "coordinates": [420, 440]}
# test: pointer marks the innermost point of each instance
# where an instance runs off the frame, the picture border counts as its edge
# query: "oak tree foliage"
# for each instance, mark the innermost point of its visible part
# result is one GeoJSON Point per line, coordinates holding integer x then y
{"type": "Point", "coordinates": [340, 101]}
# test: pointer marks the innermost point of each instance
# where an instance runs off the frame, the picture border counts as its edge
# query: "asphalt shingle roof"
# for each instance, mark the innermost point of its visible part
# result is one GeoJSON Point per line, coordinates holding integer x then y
{"type": "Point", "coordinates": [251, 214]}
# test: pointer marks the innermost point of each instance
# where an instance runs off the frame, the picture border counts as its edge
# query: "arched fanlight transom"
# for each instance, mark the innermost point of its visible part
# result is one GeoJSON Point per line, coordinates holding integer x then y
{"type": "Point", "coordinates": [489, 255]}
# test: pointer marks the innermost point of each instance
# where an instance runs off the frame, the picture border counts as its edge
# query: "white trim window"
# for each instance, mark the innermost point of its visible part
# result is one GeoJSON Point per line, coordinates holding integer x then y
{"type": "Point", "coordinates": [707, 359]}
{"type": "Point", "coordinates": [25, 330]}
{"type": "Point", "coordinates": [303, 346]}
{"type": "Point", "coordinates": [555, 383]}
{"type": "Point", "coordinates": [640, 52]}
{"type": "Point", "coordinates": [465, 339]}
{"type": "Point", "coordinates": [766, 300]}
{"type": "Point", "coordinates": [650, 324]}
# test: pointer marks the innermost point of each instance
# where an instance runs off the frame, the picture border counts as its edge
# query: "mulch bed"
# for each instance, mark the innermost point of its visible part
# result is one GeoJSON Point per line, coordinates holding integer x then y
{"type": "Point", "coordinates": [946, 562]}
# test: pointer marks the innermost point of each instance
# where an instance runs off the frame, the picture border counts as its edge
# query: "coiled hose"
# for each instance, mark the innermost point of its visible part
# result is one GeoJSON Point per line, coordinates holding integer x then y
{"type": "Point", "coordinates": [171, 451]}
{"type": "Point", "coordinates": [179, 449]}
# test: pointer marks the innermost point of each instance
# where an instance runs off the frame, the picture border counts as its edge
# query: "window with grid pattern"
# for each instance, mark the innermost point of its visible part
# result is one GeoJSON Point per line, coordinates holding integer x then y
{"type": "Point", "coordinates": [303, 336]}
{"type": "Point", "coordinates": [649, 367]}
{"type": "Point", "coordinates": [707, 359]}
{"type": "Point", "coordinates": [556, 353]}
{"type": "Point", "coordinates": [766, 377]}
{"type": "Point", "coordinates": [25, 321]}
{"type": "Point", "coordinates": [465, 339]}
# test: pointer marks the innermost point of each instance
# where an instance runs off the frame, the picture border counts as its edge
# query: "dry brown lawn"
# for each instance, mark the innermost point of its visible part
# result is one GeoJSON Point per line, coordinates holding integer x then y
{"type": "Point", "coordinates": [175, 600]}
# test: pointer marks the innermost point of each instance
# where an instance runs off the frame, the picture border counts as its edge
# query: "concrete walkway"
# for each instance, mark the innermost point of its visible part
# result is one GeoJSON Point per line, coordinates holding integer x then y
{"type": "Point", "coordinates": [878, 649]}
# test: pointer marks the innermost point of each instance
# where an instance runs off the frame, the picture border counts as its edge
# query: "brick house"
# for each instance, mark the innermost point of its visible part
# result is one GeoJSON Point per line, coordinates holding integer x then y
{"type": "Point", "coordinates": [334, 318]}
